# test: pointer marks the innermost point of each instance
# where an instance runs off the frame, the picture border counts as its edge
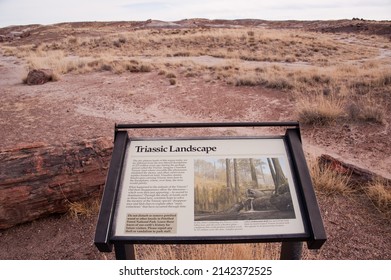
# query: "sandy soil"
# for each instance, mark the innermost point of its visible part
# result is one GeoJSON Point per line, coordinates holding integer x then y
{"type": "Point", "coordinates": [88, 106]}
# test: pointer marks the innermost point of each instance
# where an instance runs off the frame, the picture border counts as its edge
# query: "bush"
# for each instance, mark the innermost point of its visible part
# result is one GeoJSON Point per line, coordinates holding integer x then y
{"type": "Point", "coordinates": [321, 111]}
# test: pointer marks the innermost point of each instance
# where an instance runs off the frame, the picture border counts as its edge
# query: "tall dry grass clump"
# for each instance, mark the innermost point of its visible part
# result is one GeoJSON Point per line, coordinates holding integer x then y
{"type": "Point", "coordinates": [366, 109]}
{"type": "Point", "coordinates": [253, 251]}
{"type": "Point", "coordinates": [319, 110]}
{"type": "Point", "coordinates": [327, 180]}
{"type": "Point", "coordinates": [379, 193]}
{"type": "Point", "coordinates": [269, 77]}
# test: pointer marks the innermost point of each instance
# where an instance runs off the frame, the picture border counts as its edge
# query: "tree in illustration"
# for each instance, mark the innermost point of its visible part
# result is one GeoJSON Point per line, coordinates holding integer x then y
{"type": "Point", "coordinates": [281, 198]}
{"type": "Point", "coordinates": [253, 172]}
{"type": "Point", "coordinates": [236, 181]}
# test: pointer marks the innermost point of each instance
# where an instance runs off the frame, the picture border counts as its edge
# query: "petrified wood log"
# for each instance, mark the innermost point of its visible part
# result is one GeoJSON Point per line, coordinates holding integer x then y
{"type": "Point", "coordinates": [42, 179]}
{"type": "Point", "coordinates": [358, 176]}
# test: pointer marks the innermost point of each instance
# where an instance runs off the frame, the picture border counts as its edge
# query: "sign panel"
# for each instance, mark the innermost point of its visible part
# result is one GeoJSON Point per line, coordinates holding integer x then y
{"type": "Point", "coordinates": [210, 187]}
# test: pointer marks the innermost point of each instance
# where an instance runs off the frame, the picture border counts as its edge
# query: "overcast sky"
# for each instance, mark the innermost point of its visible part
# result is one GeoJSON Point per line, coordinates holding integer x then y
{"type": "Point", "coordinates": [21, 12]}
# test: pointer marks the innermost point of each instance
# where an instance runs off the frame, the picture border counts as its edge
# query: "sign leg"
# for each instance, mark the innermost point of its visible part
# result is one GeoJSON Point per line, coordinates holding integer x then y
{"type": "Point", "coordinates": [291, 250]}
{"type": "Point", "coordinates": [124, 252]}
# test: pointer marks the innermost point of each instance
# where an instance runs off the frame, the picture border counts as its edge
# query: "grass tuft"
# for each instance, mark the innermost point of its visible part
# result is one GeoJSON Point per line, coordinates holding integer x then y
{"type": "Point", "coordinates": [366, 109]}
{"type": "Point", "coordinates": [327, 180]}
{"type": "Point", "coordinates": [86, 208]}
{"type": "Point", "coordinates": [322, 110]}
{"type": "Point", "coordinates": [380, 194]}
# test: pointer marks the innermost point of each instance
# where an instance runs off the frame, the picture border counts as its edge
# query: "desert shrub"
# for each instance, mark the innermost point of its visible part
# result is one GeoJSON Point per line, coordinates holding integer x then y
{"type": "Point", "coordinates": [321, 110]}
{"type": "Point", "coordinates": [372, 113]}
{"type": "Point", "coordinates": [145, 68]}
{"type": "Point", "coordinates": [313, 79]}
{"type": "Point", "coordinates": [279, 83]}
{"type": "Point", "coordinates": [366, 109]}
{"type": "Point", "coordinates": [247, 79]}
{"type": "Point", "coordinates": [361, 87]}
{"type": "Point", "coordinates": [72, 40]}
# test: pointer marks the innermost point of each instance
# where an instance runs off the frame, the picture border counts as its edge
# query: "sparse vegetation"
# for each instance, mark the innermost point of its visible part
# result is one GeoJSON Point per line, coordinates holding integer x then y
{"type": "Point", "coordinates": [332, 79]}
{"type": "Point", "coordinates": [300, 62]}
{"type": "Point", "coordinates": [330, 180]}
{"type": "Point", "coordinates": [87, 207]}
{"type": "Point", "coordinates": [320, 110]}
{"type": "Point", "coordinates": [257, 251]}
{"type": "Point", "coordinates": [380, 194]}
{"type": "Point", "coordinates": [327, 180]}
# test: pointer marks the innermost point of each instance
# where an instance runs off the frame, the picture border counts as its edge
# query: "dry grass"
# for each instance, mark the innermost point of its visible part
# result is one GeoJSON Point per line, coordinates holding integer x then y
{"type": "Point", "coordinates": [366, 109]}
{"type": "Point", "coordinates": [320, 110]}
{"type": "Point", "coordinates": [313, 66]}
{"type": "Point", "coordinates": [380, 194]}
{"type": "Point", "coordinates": [327, 180]}
{"type": "Point", "coordinates": [269, 77]}
{"type": "Point", "coordinates": [86, 208]}
{"type": "Point", "coordinates": [251, 251]}
{"type": "Point", "coordinates": [246, 44]}
{"type": "Point", "coordinates": [260, 251]}
{"type": "Point", "coordinates": [62, 64]}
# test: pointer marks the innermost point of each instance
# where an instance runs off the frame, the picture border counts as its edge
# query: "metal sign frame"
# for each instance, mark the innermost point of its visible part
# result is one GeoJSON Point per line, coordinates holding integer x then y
{"type": "Point", "coordinates": [314, 235]}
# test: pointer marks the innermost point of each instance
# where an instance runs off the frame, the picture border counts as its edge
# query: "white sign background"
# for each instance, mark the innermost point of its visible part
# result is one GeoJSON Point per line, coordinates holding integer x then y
{"type": "Point", "coordinates": [150, 153]}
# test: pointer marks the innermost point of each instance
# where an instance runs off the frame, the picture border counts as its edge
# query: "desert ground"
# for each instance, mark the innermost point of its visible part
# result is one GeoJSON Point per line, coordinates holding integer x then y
{"type": "Point", "coordinates": [332, 76]}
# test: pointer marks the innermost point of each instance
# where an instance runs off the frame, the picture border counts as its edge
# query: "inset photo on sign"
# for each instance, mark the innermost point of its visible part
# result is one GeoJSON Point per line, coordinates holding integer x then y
{"type": "Point", "coordinates": [241, 189]}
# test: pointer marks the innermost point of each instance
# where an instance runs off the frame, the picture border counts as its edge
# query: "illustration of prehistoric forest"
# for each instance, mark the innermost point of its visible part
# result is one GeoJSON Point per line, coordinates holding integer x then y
{"type": "Point", "coordinates": [241, 188]}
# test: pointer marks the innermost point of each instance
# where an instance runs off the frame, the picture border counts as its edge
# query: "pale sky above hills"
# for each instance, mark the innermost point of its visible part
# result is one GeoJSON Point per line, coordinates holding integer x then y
{"type": "Point", "coordinates": [21, 12]}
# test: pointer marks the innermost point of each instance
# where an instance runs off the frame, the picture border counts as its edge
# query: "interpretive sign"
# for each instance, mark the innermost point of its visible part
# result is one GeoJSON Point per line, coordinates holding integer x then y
{"type": "Point", "coordinates": [209, 190]}
{"type": "Point", "coordinates": [181, 188]}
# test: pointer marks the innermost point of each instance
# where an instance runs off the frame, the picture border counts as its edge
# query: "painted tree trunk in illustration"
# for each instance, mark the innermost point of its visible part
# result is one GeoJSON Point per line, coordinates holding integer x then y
{"type": "Point", "coordinates": [228, 173]}
{"type": "Point", "coordinates": [236, 180]}
{"type": "Point", "coordinates": [253, 173]}
{"type": "Point", "coordinates": [280, 177]}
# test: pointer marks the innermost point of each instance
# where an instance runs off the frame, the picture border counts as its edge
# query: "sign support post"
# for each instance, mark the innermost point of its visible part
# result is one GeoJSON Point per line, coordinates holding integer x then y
{"type": "Point", "coordinates": [291, 250]}
{"type": "Point", "coordinates": [124, 252]}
